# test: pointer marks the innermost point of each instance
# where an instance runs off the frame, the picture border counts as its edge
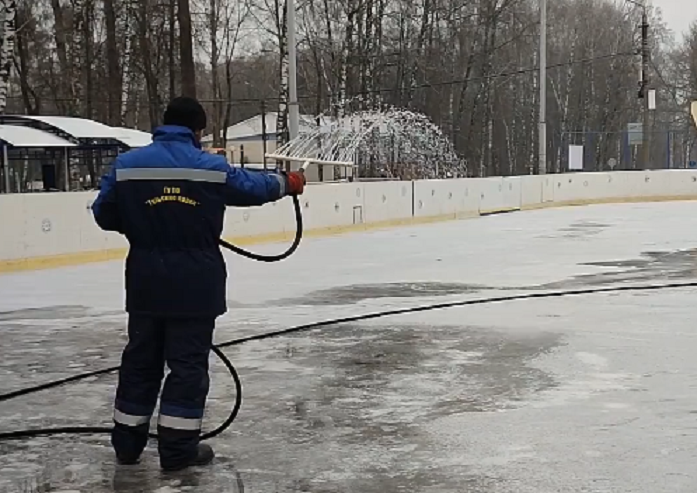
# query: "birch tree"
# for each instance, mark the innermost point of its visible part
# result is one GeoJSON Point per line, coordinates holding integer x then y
{"type": "Point", "coordinates": [8, 14]}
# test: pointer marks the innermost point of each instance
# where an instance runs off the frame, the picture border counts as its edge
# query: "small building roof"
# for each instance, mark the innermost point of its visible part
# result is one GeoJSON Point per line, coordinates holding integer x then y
{"type": "Point", "coordinates": [79, 128]}
{"type": "Point", "coordinates": [133, 138]}
{"type": "Point", "coordinates": [251, 129]}
{"type": "Point", "coordinates": [19, 136]}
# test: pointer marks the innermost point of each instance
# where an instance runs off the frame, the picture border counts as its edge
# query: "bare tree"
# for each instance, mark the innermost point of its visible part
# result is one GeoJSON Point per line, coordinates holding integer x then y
{"type": "Point", "coordinates": [471, 67]}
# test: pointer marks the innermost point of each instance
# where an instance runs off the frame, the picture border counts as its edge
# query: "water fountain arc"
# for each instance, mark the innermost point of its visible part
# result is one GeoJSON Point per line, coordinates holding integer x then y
{"type": "Point", "coordinates": [389, 144]}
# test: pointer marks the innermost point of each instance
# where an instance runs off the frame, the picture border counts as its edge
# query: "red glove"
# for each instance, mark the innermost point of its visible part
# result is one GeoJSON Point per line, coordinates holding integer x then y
{"type": "Point", "coordinates": [296, 183]}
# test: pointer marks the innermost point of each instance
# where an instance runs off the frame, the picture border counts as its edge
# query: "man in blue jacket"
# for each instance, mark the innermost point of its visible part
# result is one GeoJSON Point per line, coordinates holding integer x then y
{"type": "Point", "coordinates": [168, 199]}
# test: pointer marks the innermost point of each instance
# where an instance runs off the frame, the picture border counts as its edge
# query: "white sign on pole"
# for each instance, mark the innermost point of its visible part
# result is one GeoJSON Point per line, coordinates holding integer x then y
{"type": "Point", "coordinates": [635, 132]}
{"type": "Point", "coordinates": [575, 158]}
{"type": "Point", "coordinates": [652, 99]}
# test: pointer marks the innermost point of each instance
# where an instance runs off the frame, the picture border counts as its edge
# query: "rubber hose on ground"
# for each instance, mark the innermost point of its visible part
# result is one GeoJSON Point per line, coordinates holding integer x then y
{"type": "Point", "coordinates": [304, 328]}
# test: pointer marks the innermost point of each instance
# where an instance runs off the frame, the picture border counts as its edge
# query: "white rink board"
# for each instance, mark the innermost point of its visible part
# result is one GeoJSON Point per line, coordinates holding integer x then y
{"type": "Point", "coordinates": [54, 224]}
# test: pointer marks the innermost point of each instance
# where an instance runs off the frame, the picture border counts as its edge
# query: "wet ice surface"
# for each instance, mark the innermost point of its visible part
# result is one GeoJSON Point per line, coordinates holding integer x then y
{"type": "Point", "coordinates": [585, 394]}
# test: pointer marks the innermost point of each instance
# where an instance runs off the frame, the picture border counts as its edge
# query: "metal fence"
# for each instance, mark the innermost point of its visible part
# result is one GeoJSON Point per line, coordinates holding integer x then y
{"type": "Point", "coordinates": [607, 151]}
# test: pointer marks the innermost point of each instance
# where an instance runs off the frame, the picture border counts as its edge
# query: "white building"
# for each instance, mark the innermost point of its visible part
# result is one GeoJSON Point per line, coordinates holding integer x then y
{"type": "Point", "coordinates": [246, 137]}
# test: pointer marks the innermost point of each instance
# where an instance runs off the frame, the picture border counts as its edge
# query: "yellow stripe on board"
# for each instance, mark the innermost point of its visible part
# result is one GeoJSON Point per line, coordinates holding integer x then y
{"type": "Point", "coordinates": [80, 258]}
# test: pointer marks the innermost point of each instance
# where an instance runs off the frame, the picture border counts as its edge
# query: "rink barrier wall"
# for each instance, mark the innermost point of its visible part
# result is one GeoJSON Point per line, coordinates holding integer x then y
{"type": "Point", "coordinates": [51, 230]}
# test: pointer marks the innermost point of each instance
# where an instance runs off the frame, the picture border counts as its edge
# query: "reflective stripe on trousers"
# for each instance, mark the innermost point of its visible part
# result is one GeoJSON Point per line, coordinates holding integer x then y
{"type": "Point", "coordinates": [129, 419]}
{"type": "Point", "coordinates": [185, 424]}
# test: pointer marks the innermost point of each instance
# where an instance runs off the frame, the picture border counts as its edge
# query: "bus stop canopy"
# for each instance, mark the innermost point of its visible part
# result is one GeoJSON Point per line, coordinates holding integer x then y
{"type": "Point", "coordinates": [17, 136]}
{"type": "Point", "coordinates": [78, 128]}
{"type": "Point", "coordinates": [85, 133]}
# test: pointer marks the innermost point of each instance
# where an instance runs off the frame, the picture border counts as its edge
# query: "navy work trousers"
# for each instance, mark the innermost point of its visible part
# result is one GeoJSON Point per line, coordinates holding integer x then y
{"type": "Point", "coordinates": [184, 345]}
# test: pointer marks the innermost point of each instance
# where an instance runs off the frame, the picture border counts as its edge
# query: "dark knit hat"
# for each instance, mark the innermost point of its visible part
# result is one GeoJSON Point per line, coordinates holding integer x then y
{"type": "Point", "coordinates": [185, 112]}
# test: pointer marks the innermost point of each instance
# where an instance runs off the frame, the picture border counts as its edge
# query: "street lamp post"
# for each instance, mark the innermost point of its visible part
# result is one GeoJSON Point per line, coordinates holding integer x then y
{"type": "Point", "coordinates": [644, 83]}
{"type": "Point", "coordinates": [543, 89]}
{"type": "Point", "coordinates": [293, 109]}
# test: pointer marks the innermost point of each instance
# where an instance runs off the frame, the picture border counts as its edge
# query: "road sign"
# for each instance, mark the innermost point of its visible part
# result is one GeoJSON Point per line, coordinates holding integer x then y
{"type": "Point", "coordinates": [635, 131]}
{"type": "Point", "coordinates": [694, 112]}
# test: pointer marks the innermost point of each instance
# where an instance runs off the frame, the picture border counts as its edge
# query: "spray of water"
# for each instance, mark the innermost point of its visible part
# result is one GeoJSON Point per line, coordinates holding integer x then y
{"type": "Point", "coordinates": [391, 143]}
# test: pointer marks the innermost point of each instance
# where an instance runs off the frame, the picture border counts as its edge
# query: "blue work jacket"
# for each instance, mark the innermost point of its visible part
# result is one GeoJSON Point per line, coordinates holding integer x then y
{"type": "Point", "coordinates": [168, 199]}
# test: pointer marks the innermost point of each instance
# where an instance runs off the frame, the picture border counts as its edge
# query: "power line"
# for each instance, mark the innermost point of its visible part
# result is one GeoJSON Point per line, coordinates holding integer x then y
{"type": "Point", "coordinates": [500, 75]}
{"type": "Point", "coordinates": [520, 71]}
{"type": "Point", "coordinates": [426, 85]}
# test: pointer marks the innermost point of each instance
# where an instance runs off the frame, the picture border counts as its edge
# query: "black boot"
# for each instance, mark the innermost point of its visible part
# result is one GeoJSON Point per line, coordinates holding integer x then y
{"type": "Point", "coordinates": [127, 461]}
{"type": "Point", "coordinates": [204, 456]}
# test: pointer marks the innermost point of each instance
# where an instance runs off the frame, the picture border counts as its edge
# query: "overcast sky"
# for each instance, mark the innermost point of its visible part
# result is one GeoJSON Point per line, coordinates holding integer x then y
{"type": "Point", "coordinates": [678, 14]}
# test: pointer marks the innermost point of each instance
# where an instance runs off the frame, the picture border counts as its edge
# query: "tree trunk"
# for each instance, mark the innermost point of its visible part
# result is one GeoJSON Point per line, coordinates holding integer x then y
{"type": "Point", "coordinates": [7, 49]}
{"type": "Point", "coordinates": [115, 81]}
{"type": "Point", "coordinates": [151, 80]}
{"type": "Point", "coordinates": [88, 62]}
{"type": "Point", "coordinates": [65, 83]}
{"type": "Point", "coordinates": [171, 52]}
{"type": "Point", "coordinates": [186, 50]}
{"type": "Point", "coordinates": [282, 122]}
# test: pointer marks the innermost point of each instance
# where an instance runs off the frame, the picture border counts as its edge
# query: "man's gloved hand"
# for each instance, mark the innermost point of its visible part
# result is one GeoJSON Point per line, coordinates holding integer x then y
{"type": "Point", "coordinates": [296, 182]}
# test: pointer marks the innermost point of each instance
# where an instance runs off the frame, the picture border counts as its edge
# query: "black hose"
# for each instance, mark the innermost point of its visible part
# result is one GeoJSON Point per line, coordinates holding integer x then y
{"type": "Point", "coordinates": [302, 328]}
{"type": "Point", "coordinates": [87, 430]}
{"type": "Point", "coordinates": [99, 430]}
{"type": "Point", "coordinates": [273, 258]}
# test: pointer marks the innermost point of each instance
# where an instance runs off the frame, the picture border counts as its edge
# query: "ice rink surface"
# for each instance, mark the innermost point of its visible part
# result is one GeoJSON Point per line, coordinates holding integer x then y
{"type": "Point", "coordinates": [593, 394]}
